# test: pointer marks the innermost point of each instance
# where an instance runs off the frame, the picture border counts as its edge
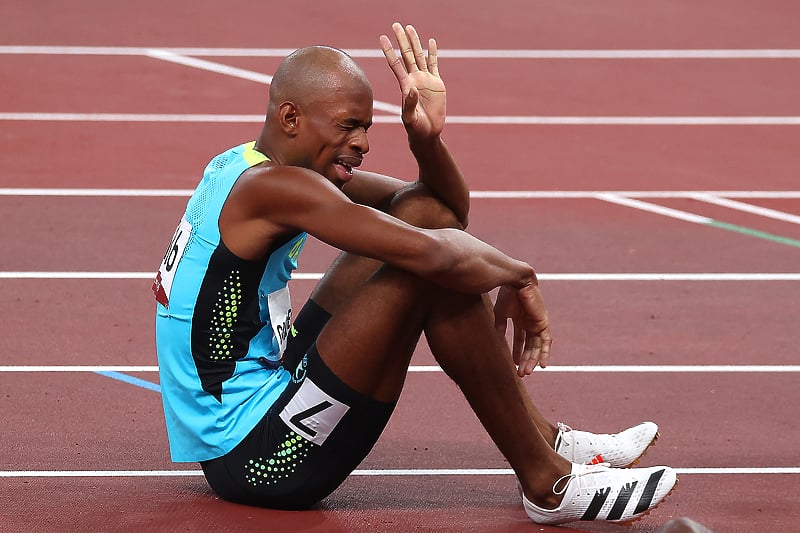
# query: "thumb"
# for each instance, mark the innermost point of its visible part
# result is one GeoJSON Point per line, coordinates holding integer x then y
{"type": "Point", "coordinates": [410, 105]}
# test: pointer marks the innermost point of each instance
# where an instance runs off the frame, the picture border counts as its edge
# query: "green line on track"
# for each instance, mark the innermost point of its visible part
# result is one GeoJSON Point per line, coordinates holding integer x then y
{"type": "Point", "coordinates": [754, 233]}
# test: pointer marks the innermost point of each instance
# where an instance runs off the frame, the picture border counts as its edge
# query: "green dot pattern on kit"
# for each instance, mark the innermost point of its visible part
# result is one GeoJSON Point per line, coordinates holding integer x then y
{"type": "Point", "coordinates": [281, 464]}
{"type": "Point", "coordinates": [226, 309]}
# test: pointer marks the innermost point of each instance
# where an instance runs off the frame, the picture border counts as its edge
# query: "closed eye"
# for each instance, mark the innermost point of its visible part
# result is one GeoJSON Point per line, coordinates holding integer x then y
{"type": "Point", "coordinates": [354, 125]}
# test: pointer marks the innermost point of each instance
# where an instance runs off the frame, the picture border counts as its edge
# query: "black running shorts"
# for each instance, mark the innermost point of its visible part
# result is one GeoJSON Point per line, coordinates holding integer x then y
{"type": "Point", "coordinates": [310, 440]}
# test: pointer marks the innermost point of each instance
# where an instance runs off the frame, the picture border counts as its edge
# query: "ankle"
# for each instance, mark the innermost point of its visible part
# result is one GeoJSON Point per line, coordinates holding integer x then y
{"type": "Point", "coordinates": [550, 434]}
{"type": "Point", "coordinates": [539, 490]}
{"type": "Point", "coordinates": [544, 501]}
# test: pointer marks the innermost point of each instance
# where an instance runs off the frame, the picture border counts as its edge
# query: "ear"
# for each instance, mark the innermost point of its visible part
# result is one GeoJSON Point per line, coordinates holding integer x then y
{"type": "Point", "coordinates": [289, 115]}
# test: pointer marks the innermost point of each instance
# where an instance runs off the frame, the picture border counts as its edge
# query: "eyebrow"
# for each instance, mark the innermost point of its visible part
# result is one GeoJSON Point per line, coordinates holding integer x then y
{"type": "Point", "coordinates": [353, 121]}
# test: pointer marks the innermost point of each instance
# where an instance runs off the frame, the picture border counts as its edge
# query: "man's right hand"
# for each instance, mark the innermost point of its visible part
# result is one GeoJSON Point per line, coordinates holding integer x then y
{"type": "Point", "coordinates": [531, 337]}
{"type": "Point", "coordinates": [424, 101]}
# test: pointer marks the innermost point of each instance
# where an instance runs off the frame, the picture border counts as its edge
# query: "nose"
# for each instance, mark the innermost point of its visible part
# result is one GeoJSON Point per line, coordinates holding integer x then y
{"type": "Point", "coordinates": [360, 141]}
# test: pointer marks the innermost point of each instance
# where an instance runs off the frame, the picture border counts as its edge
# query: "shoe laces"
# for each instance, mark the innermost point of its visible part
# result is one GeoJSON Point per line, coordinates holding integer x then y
{"type": "Point", "coordinates": [562, 429]}
{"type": "Point", "coordinates": [581, 477]}
{"type": "Point", "coordinates": [590, 438]}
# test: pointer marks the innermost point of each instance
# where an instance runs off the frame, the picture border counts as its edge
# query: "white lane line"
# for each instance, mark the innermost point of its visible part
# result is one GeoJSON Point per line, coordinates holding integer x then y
{"type": "Point", "coordinates": [578, 276]}
{"type": "Point", "coordinates": [372, 472]}
{"type": "Point", "coordinates": [478, 194]}
{"type": "Point", "coordinates": [453, 119]}
{"type": "Point", "coordinates": [629, 120]}
{"type": "Point", "coordinates": [131, 117]}
{"type": "Point", "coordinates": [569, 369]}
{"type": "Point", "coordinates": [747, 208]}
{"type": "Point", "coordinates": [241, 73]}
{"type": "Point", "coordinates": [76, 275]}
{"type": "Point", "coordinates": [210, 66]}
{"type": "Point", "coordinates": [630, 194]}
{"type": "Point", "coordinates": [751, 53]}
{"type": "Point", "coordinates": [78, 368]}
{"type": "Point", "coordinates": [10, 191]}
{"type": "Point", "coordinates": [696, 219]}
{"type": "Point", "coordinates": [653, 208]}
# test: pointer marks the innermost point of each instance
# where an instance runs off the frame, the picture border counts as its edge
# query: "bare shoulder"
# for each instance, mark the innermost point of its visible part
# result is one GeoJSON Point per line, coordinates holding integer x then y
{"type": "Point", "coordinates": [266, 204]}
{"type": "Point", "coordinates": [269, 190]}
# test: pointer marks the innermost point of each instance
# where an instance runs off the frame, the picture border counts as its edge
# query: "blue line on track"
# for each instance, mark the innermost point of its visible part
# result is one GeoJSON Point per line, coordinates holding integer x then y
{"type": "Point", "coordinates": [131, 380]}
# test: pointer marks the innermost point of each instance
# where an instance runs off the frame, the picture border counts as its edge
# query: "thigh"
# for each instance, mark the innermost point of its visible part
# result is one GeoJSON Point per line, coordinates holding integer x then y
{"type": "Point", "coordinates": [312, 438]}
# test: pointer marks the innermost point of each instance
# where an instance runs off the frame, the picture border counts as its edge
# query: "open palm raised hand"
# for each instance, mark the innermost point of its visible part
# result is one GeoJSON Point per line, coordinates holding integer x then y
{"type": "Point", "coordinates": [424, 101]}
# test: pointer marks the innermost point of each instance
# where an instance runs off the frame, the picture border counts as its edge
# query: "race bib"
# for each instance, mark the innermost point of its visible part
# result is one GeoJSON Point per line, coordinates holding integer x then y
{"type": "Point", "coordinates": [313, 413]}
{"type": "Point", "coordinates": [162, 285]}
{"type": "Point", "coordinates": [280, 313]}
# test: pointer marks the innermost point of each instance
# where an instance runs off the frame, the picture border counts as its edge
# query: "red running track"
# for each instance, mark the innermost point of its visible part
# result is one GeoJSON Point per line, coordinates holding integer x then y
{"type": "Point", "coordinates": [81, 421]}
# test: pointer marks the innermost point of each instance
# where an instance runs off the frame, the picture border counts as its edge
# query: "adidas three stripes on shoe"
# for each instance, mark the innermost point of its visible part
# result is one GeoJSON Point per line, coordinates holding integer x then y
{"type": "Point", "coordinates": [597, 492]}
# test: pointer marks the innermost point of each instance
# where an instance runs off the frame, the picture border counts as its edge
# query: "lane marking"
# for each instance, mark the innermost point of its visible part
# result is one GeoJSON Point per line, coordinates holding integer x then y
{"type": "Point", "coordinates": [696, 219]}
{"type": "Point", "coordinates": [211, 66]}
{"type": "Point", "coordinates": [500, 195]}
{"type": "Point", "coordinates": [570, 369]}
{"type": "Point", "coordinates": [452, 119]}
{"type": "Point", "coordinates": [96, 192]}
{"type": "Point", "coordinates": [131, 117]}
{"type": "Point", "coordinates": [131, 380]}
{"type": "Point", "coordinates": [77, 275]}
{"type": "Point", "coordinates": [747, 208]}
{"type": "Point", "coordinates": [653, 208]}
{"type": "Point", "coordinates": [629, 120]}
{"type": "Point", "coordinates": [750, 232]}
{"type": "Point", "coordinates": [79, 368]}
{"type": "Point", "coordinates": [241, 73]}
{"type": "Point", "coordinates": [630, 194]}
{"type": "Point", "coordinates": [374, 472]}
{"type": "Point", "coordinates": [578, 276]}
{"type": "Point", "coordinates": [752, 53]}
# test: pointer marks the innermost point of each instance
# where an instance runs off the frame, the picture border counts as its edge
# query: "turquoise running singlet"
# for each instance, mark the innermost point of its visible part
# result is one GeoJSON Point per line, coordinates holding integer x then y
{"type": "Point", "coordinates": [221, 323]}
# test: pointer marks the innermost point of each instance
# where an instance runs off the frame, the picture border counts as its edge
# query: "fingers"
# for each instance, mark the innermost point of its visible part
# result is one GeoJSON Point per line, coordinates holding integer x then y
{"type": "Point", "coordinates": [410, 47]}
{"type": "Point", "coordinates": [433, 57]}
{"type": "Point", "coordinates": [412, 56]}
{"type": "Point", "coordinates": [391, 58]}
{"type": "Point", "coordinates": [547, 342]}
{"type": "Point", "coordinates": [518, 344]}
{"type": "Point", "coordinates": [536, 351]}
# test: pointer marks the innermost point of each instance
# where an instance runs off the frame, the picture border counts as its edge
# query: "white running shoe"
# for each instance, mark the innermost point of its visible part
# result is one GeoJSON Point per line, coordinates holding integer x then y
{"type": "Point", "coordinates": [619, 450]}
{"type": "Point", "coordinates": [597, 492]}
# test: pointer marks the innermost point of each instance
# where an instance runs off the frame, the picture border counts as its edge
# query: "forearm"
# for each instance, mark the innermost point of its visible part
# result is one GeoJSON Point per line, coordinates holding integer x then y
{"type": "Point", "coordinates": [440, 173]}
{"type": "Point", "coordinates": [473, 266]}
{"type": "Point", "coordinates": [371, 189]}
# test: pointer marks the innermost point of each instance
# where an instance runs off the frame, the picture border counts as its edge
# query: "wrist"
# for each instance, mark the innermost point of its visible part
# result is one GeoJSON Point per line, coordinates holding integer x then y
{"type": "Point", "coordinates": [528, 278]}
{"type": "Point", "coordinates": [425, 146]}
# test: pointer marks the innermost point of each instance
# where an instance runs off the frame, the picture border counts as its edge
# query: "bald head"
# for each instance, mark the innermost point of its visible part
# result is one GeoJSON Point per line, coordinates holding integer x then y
{"type": "Point", "coordinates": [312, 72]}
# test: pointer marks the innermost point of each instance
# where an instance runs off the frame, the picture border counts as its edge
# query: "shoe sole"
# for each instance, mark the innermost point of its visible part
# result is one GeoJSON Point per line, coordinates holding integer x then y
{"type": "Point", "coordinates": [644, 452]}
{"type": "Point", "coordinates": [656, 506]}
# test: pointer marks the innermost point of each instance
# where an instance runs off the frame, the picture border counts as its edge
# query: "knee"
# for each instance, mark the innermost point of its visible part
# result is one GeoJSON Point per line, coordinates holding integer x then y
{"type": "Point", "coordinates": [418, 206]}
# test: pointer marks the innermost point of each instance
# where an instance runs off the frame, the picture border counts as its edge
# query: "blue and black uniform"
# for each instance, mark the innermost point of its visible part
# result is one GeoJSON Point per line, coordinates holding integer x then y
{"type": "Point", "coordinates": [267, 430]}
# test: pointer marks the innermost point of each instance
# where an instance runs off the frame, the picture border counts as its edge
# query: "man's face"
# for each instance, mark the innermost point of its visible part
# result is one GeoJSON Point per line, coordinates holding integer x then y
{"type": "Point", "coordinates": [334, 134]}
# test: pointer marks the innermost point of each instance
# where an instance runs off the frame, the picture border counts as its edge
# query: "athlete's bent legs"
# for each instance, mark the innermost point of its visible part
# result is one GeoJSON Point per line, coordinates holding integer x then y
{"type": "Point", "coordinates": [415, 205]}
{"type": "Point", "coordinates": [377, 323]}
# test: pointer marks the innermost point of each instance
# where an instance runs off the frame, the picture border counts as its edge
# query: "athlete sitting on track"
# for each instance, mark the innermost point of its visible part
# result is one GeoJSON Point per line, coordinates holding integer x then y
{"type": "Point", "coordinates": [279, 413]}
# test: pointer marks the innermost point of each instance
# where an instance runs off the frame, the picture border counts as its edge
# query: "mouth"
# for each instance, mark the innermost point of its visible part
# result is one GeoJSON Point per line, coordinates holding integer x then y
{"type": "Point", "coordinates": [344, 166]}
